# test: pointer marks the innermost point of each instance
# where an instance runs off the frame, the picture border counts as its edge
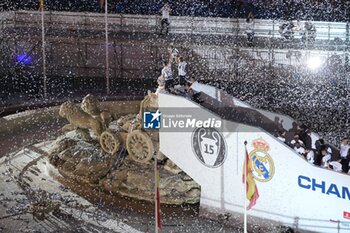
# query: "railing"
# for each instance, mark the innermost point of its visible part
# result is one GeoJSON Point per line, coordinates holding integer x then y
{"type": "Point", "coordinates": [326, 31]}
{"type": "Point", "coordinates": [331, 37]}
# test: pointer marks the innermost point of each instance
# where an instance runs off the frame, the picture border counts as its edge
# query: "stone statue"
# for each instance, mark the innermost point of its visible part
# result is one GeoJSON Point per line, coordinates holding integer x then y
{"type": "Point", "coordinates": [78, 119]}
{"type": "Point", "coordinates": [110, 170]}
{"type": "Point", "coordinates": [149, 103]}
{"type": "Point", "coordinates": [91, 105]}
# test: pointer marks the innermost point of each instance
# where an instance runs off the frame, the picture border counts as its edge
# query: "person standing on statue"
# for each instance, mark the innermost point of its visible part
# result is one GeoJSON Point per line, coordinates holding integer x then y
{"type": "Point", "coordinates": [174, 52]}
{"type": "Point", "coordinates": [165, 10]}
{"type": "Point", "coordinates": [182, 70]}
{"type": "Point", "coordinates": [167, 74]}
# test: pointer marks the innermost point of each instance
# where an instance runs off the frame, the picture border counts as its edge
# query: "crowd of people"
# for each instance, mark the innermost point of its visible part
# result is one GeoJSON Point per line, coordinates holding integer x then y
{"type": "Point", "coordinates": [317, 100]}
{"type": "Point", "coordinates": [331, 10]}
{"type": "Point", "coordinates": [318, 152]}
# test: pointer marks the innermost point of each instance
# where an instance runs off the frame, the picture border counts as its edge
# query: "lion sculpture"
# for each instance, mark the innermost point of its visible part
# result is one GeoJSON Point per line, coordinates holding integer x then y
{"type": "Point", "coordinates": [78, 119]}
{"type": "Point", "coordinates": [90, 105]}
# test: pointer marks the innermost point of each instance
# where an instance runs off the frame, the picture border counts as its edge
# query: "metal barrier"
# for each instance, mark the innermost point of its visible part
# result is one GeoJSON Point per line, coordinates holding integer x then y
{"type": "Point", "coordinates": [326, 31]}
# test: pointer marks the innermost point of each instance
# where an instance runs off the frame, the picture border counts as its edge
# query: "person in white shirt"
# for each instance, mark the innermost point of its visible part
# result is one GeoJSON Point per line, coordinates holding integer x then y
{"type": "Point", "coordinates": [310, 155]}
{"type": "Point", "coordinates": [174, 51]}
{"type": "Point", "coordinates": [165, 10]}
{"type": "Point", "coordinates": [296, 139]}
{"type": "Point", "coordinates": [298, 147]}
{"type": "Point", "coordinates": [344, 148]}
{"type": "Point", "coordinates": [344, 151]}
{"type": "Point", "coordinates": [282, 135]}
{"type": "Point", "coordinates": [326, 157]}
{"type": "Point", "coordinates": [336, 166]}
{"type": "Point", "coordinates": [182, 71]}
{"type": "Point", "coordinates": [167, 75]}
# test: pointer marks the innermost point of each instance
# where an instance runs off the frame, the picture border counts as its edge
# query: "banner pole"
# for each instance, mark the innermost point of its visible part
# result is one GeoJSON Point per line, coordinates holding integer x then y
{"type": "Point", "coordinates": [155, 194]}
{"type": "Point", "coordinates": [106, 32]}
{"type": "Point", "coordinates": [42, 6]}
{"type": "Point", "coordinates": [245, 188]}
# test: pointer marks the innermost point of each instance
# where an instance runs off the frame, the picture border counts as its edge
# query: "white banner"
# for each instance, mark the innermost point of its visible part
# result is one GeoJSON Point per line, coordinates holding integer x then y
{"type": "Point", "coordinates": [291, 191]}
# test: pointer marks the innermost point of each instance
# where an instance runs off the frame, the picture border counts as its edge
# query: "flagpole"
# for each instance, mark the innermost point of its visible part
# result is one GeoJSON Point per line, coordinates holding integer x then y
{"type": "Point", "coordinates": [106, 32]}
{"type": "Point", "coordinates": [155, 193]}
{"type": "Point", "coordinates": [43, 47]}
{"type": "Point", "coordinates": [245, 188]}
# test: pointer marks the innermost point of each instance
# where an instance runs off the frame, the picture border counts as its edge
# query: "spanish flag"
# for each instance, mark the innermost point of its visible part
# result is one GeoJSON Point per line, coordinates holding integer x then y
{"type": "Point", "coordinates": [159, 223]}
{"type": "Point", "coordinates": [252, 192]}
{"type": "Point", "coordinates": [41, 5]}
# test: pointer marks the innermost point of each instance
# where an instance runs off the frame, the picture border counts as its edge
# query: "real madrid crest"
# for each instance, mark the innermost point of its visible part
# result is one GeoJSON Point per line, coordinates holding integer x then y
{"type": "Point", "coordinates": [209, 146]}
{"type": "Point", "coordinates": [263, 168]}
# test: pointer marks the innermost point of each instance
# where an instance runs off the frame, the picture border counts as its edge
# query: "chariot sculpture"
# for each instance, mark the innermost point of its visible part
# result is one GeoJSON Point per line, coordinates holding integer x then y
{"type": "Point", "coordinates": [115, 136]}
{"type": "Point", "coordinates": [128, 133]}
